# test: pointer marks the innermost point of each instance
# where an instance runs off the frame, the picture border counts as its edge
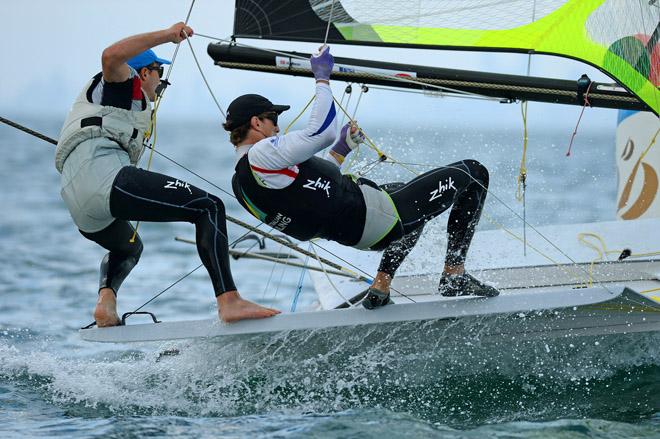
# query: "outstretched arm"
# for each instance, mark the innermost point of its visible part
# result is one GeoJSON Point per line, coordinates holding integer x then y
{"type": "Point", "coordinates": [114, 57]}
{"type": "Point", "coordinates": [297, 146]}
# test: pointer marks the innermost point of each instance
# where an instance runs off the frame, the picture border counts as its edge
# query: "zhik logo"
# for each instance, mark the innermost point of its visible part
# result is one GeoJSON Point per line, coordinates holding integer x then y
{"type": "Point", "coordinates": [437, 193]}
{"type": "Point", "coordinates": [177, 184]}
{"type": "Point", "coordinates": [318, 184]}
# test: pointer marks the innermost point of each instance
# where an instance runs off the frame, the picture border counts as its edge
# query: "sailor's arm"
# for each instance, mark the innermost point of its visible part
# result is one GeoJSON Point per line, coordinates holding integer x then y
{"type": "Point", "coordinates": [297, 146]}
{"type": "Point", "coordinates": [114, 57]}
{"type": "Point", "coordinates": [320, 132]}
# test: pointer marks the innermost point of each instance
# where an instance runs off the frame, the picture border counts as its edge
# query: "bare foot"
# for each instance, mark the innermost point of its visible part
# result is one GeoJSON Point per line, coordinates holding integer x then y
{"type": "Point", "coordinates": [232, 308]}
{"type": "Point", "coordinates": [105, 313]}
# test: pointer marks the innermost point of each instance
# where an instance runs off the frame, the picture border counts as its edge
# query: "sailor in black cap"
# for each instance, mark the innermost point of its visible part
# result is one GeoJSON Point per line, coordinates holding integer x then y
{"type": "Point", "coordinates": [281, 182]}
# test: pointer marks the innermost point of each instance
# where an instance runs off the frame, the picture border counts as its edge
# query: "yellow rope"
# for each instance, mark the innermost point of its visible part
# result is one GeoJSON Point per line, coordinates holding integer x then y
{"type": "Point", "coordinates": [509, 232]}
{"type": "Point", "coordinates": [355, 156]}
{"type": "Point", "coordinates": [299, 114]}
{"type": "Point", "coordinates": [602, 251]}
{"type": "Point", "coordinates": [650, 145]}
{"type": "Point", "coordinates": [582, 239]}
{"type": "Point", "coordinates": [381, 155]}
{"type": "Point", "coordinates": [523, 171]}
{"type": "Point", "coordinates": [522, 176]}
{"type": "Point", "coordinates": [147, 136]}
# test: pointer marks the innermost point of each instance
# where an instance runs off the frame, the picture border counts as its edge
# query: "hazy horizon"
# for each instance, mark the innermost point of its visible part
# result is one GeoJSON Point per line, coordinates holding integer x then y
{"type": "Point", "coordinates": [53, 58]}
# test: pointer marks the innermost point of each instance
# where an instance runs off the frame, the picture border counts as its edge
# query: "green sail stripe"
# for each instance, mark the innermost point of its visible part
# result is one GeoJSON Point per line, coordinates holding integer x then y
{"type": "Point", "coordinates": [562, 32]}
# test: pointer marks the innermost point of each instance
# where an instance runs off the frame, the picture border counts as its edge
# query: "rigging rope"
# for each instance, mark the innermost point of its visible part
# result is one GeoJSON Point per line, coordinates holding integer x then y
{"type": "Point", "coordinates": [348, 90]}
{"type": "Point", "coordinates": [229, 218]}
{"type": "Point", "coordinates": [327, 29]}
{"type": "Point", "coordinates": [586, 104]}
{"type": "Point", "coordinates": [205, 81]}
{"type": "Point", "coordinates": [296, 295]}
{"type": "Point", "coordinates": [316, 256]}
{"type": "Point", "coordinates": [522, 176]}
{"type": "Point", "coordinates": [602, 251]}
{"type": "Point", "coordinates": [363, 90]}
{"type": "Point", "coordinates": [152, 127]}
{"type": "Point", "coordinates": [286, 130]}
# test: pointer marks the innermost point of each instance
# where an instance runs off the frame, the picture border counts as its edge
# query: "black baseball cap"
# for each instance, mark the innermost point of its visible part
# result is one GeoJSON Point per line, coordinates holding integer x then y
{"type": "Point", "coordinates": [242, 109]}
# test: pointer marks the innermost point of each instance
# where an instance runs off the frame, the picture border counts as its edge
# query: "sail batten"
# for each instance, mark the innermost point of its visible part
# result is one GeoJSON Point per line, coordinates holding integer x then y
{"type": "Point", "coordinates": [619, 37]}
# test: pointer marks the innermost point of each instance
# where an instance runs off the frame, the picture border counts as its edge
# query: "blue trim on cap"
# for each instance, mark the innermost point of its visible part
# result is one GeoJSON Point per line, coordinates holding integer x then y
{"type": "Point", "coordinates": [328, 120]}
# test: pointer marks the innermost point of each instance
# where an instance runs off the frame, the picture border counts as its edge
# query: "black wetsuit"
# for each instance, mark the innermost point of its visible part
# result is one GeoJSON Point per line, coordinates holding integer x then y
{"type": "Point", "coordinates": [140, 195]}
{"type": "Point", "coordinates": [333, 211]}
{"type": "Point", "coordinates": [463, 186]}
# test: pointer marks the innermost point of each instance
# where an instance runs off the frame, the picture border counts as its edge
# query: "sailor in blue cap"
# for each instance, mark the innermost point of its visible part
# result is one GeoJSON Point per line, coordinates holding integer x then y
{"type": "Point", "coordinates": [145, 64]}
{"type": "Point", "coordinates": [100, 144]}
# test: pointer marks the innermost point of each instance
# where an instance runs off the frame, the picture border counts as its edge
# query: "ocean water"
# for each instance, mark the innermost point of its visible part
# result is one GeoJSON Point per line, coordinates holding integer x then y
{"type": "Point", "coordinates": [398, 381]}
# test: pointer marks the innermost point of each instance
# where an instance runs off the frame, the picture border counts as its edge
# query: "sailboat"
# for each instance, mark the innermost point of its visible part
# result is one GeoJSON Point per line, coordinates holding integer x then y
{"type": "Point", "coordinates": [570, 281]}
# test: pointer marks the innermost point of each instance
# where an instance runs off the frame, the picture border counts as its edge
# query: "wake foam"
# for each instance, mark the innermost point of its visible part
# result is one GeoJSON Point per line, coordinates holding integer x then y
{"type": "Point", "coordinates": [405, 368]}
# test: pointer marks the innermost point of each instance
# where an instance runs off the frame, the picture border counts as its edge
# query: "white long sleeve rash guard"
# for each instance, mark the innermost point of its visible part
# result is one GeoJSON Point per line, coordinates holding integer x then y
{"type": "Point", "coordinates": [274, 160]}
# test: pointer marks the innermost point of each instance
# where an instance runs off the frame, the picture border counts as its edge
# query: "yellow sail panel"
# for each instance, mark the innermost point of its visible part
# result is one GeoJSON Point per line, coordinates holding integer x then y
{"type": "Point", "coordinates": [613, 35]}
{"type": "Point", "coordinates": [619, 37]}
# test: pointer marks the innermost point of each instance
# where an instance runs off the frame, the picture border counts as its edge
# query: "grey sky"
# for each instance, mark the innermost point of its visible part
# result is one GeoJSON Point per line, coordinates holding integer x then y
{"type": "Point", "coordinates": [53, 47]}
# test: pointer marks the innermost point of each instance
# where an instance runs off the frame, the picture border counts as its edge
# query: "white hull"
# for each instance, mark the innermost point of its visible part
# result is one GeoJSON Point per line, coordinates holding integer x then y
{"type": "Point", "coordinates": [533, 314]}
{"type": "Point", "coordinates": [536, 301]}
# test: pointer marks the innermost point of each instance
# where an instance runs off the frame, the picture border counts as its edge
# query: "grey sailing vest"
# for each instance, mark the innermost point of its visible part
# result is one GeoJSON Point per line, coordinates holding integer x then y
{"type": "Point", "coordinates": [88, 120]}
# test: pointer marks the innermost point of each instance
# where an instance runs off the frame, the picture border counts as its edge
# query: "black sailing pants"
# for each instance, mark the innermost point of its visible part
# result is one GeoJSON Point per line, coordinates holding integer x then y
{"type": "Point", "coordinates": [140, 195]}
{"type": "Point", "coordinates": [462, 185]}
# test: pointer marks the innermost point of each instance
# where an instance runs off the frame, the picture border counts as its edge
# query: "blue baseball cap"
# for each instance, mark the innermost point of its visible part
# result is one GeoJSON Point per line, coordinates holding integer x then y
{"type": "Point", "coordinates": [144, 59]}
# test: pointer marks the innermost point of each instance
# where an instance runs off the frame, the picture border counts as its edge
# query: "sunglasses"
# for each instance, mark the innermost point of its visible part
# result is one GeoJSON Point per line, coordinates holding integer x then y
{"type": "Point", "coordinates": [159, 69]}
{"type": "Point", "coordinates": [272, 116]}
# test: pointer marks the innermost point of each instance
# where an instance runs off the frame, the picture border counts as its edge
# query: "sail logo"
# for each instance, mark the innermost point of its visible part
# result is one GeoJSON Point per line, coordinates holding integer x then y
{"type": "Point", "coordinates": [649, 187]}
{"type": "Point", "coordinates": [437, 193]}
{"type": "Point", "coordinates": [318, 184]}
{"type": "Point", "coordinates": [177, 184]}
{"type": "Point", "coordinates": [638, 165]}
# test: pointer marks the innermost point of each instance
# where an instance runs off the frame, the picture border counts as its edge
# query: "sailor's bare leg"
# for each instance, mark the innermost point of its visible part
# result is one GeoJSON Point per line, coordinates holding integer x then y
{"type": "Point", "coordinates": [232, 308]}
{"type": "Point", "coordinates": [456, 269]}
{"type": "Point", "coordinates": [382, 282]}
{"type": "Point", "coordinates": [105, 312]}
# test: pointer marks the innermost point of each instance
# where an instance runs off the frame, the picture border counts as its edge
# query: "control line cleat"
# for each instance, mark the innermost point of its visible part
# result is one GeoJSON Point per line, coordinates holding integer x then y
{"type": "Point", "coordinates": [464, 285]}
{"type": "Point", "coordinates": [376, 298]}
